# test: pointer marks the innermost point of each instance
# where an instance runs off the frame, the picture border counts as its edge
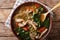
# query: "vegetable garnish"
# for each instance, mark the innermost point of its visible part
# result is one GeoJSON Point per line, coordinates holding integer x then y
{"type": "Point", "coordinates": [43, 32]}
{"type": "Point", "coordinates": [25, 28]}
{"type": "Point", "coordinates": [23, 34]}
{"type": "Point", "coordinates": [47, 22]}
{"type": "Point", "coordinates": [37, 5]}
{"type": "Point", "coordinates": [40, 9]}
{"type": "Point", "coordinates": [30, 8]}
{"type": "Point", "coordinates": [36, 19]}
{"type": "Point", "coordinates": [41, 29]}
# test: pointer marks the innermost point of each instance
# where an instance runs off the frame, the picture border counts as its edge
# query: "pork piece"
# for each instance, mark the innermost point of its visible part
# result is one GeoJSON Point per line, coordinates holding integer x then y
{"type": "Point", "coordinates": [21, 22]}
{"type": "Point", "coordinates": [33, 24]}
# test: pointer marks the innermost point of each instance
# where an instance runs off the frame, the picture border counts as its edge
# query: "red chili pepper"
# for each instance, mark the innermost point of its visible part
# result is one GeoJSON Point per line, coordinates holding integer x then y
{"type": "Point", "coordinates": [41, 29]}
{"type": "Point", "coordinates": [25, 28]}
{"type": "Point", "coordinates": [37, 5]}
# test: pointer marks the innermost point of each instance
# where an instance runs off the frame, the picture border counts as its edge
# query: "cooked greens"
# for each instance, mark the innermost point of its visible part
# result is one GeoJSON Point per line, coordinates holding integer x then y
{"type": "Point", "coordinates": [37, 19]}
{"type": "Point", "coordinates": [23, 34]}
{"type": "Point", "coordinates": [40, 9]}
{"type": "Point", "coordinates": [47, 22]}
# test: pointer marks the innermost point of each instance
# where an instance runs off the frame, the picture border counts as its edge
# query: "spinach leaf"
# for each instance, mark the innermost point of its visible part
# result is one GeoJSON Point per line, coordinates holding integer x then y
{"type": "Point", "coordinates": [40, 9]}
{"type": "Point", "coordinates": [23, 34]}
{"type": "Point", "coordinates": [47, 22]}
{"type": "Point", "coordinates": [36, 19]}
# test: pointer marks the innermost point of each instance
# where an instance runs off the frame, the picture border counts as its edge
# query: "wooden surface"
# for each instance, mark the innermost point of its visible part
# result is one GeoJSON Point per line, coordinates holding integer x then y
{"type": "Point", "coordinates": [7, 34]}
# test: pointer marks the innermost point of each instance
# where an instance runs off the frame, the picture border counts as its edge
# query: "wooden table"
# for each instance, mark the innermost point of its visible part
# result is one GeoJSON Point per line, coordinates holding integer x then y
{"type": "Point", "coordinates": [5, 9]}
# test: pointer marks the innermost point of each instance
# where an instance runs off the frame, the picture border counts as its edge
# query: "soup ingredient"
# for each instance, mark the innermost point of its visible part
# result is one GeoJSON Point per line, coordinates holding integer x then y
{"type": "Point", "coordinates": [41, 29]}
{"type": "Point", "coordinates": [36, 19]}
{"type": "Point", "coordinates": [33, 25]}
{"type": "Point", "coordinates": [19, 20]}
{"type": "Point", "coordinates": [33, 33]}
{"type": "Point", "coordinates": [29, 15]}
{"type": "Point", "coordinates": [25, 28]}
{"type": "Point", "coordinates": [29, 8]}
{"type": "Point", "coordinates": [23, 34]}
{"type": "Point", "coordinates": [22, 24]}
{"type": "Point", "coordinates": [40, 9]}
{"type": "Point", "coordinates": [37, 5]}
{"type": "Point", "coordinates": [43, 33]}
{"type": "Point", "coordinates": [47, 23]}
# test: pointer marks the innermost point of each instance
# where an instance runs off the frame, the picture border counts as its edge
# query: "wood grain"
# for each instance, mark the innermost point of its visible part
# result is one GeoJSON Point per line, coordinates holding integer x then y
{"type": "Point", "coordinates": [55, 32]}
{"type": "Point", "coordinates": [4, 31]}
{"type": "Point", "coordinates": [51, 3]}
{"type": "Point", "coordinates": [4, 13]}
{"type": "Point", "coordinates": [6, 3]}
{"type": "Point", "coordinates": [10, 3]}
{"type": "Point", "coordinates": [8, 38]}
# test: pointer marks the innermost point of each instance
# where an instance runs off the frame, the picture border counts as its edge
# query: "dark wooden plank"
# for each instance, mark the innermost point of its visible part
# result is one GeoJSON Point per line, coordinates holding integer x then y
{"type": "Point", "coordinates": [55, 32]}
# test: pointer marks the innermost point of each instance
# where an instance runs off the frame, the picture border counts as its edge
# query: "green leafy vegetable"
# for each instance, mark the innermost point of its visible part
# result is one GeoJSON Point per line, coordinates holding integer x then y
{"type": "Point", "coordinates": [47, 22]}
{"type": "Point", "coordinates": [23, 34]}
{"type": "Point", "coordinates": [36, 19]}
{"type": "Point", "coordinates": [40, 9]}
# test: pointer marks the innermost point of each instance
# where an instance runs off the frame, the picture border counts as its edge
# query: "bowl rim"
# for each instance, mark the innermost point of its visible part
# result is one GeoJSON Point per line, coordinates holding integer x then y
{"type": "Point", "coordinates": [41, 5]}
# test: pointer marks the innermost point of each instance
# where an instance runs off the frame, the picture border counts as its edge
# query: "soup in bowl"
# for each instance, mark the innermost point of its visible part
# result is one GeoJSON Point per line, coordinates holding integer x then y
{"type": "Point", "coordinates": [27, 24]}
